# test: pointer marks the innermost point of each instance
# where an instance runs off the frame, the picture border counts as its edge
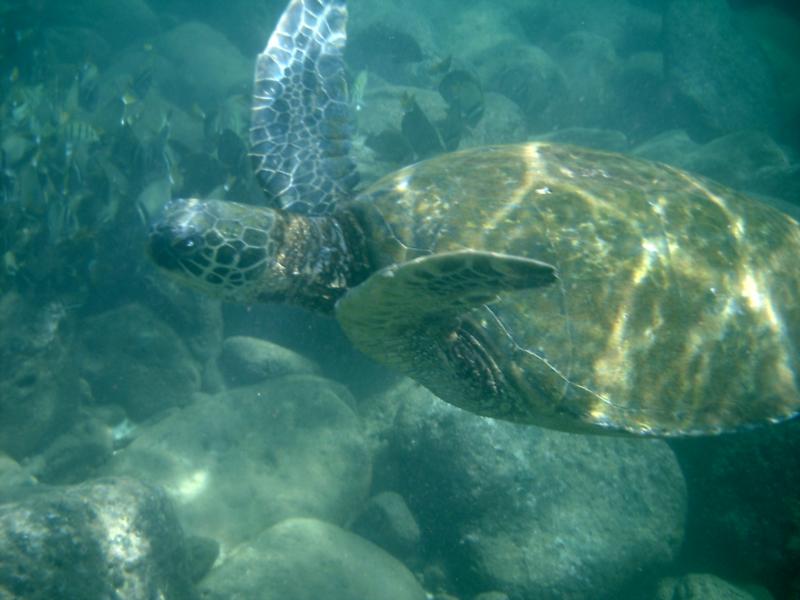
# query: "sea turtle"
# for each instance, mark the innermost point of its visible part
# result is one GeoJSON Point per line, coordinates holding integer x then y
{"type": "Point", "coordinates": [538, 283]}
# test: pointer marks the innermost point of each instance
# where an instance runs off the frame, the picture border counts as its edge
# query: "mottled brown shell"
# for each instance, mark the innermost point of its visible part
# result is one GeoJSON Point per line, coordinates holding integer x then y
{"type": "Point", "coordinates": [675, 310]}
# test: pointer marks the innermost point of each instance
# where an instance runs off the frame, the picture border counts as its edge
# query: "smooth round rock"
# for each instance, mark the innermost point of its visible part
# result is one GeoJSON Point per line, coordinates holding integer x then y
{"type": "Point", "coordinates": [307, 559]}
{"type": "Point", "coordinates": [132, 358]}
{"type": "Point", "coordinates": [535, 513]}
{"type": "Point", "coordinates": [247, 360]}
{"type": "Point", "coordinates": [387, 521]}
{"type": "Point", "coordinates": [699, 586]}
{"type": "Point", "coordinates": [113, 538]}
{"type": "Point", "coordinates": [242, 460]}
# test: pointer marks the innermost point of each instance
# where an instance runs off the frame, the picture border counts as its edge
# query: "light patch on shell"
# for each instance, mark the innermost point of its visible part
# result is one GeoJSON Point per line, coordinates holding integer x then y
{"type": "Point", "coordinates": [737, 229]}
{"type": "Point", "coordinates": [566, 172]}
{"type": "Point", "coordinates": [658, 206]}
{"type": "Point", "coordinates": [649, 246]}
{"type": "Point", "coordinates": [402, 184]}
{"type": "Point", "coordinates": [759, 301]}
{"type": "Point", "coordinates": [532, 173]}
{"type": "Point", "coordinates": [646, 264]}
{"type": "Point", "coordinates": [749, 289]}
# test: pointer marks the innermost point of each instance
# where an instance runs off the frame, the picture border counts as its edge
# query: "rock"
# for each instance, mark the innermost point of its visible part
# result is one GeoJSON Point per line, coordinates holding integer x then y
{"type": "Point", "coordinates": [502, 123]}
{"type": "Point", "coordinates": [75, 455]}
{"type": "Point", "coordinates": [40, 393]}
{"type": "Point", "coordinates": [195, 50]}
{"type": "Point", "coordinates": [536, 513]}
{"type": "Point", "coordinates": [699, 586]}
{"type": "Point", "coordinates": [386, 50]}
{"type": "Point", "coordinates": [113, 538]}
{"type": "Point", "coordinates": [589, 63]}
{"type": "Point", "coordinates": [491, 596]}
{"type": "Point", "coordinates": [602, 139]}
{"type": "Point", "coordinates": [387, 522]}
{"type": "Point", "coordinates": [750, 161]}
{"type": "Point", "coordinates": [721, 76]}
{"type": "Point", "coordinates": [132, 358]}
{"type": "Point", "coordinates": [195, 317]}
{"type": "Point", "coordinates": [737, 159]}
{"type": "Point", "coordinates": [74, 45]}
{"type": "Point", "coordinates": [240, 461]}
{"type": "Point", "coordinates": [671, 147]}
{"type": "Point", "coordinates": [127, 19]}
{"type": "Point", "coordinates": [639, 90]}
{"type": "Point", "coordinates": [247, 23]}
{"type": "Point", "coordinates": [202, 554]}
{"type": "Point", "coordinates": [305, 559]}
{"type": "Point", "coordinates": [15, 481]}
{"type": "Point", "coordinates": [525, 74]}
{"type": "Point", "coordinates": [394, 42]}
{"type": "Point", "coordinates": [383, 105]}
{"type": "Point", "coordinates": [383, 111]}
{"type": "Point", "coordinates": [779, 181]}
{"type": "Point", "coordinates": [627, 25]}
{"type": "Point", "coordinates": [246, 360]}
{"type": "Point", "coordinates": [744, 517]}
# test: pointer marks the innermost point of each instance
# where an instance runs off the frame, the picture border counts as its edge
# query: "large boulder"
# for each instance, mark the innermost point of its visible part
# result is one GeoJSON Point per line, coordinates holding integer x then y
{"type": "Point", "coordinates": [240, 461]}
{"type": "Point", "coordinates": [127, 19]}
{"type": "Point", "coordinates": [246, 360]}
{"type": "Point", "coordinates": [525, 74]}
{"type": "Point", "coordinates": [132, 358]}
{"type": "Point", "coordinates": [307, 559]}
{"type": "Point", "coordinates": [113, 538]}
{"type": "Point", "coordinates": [745, 160]}
{"type": "Point", "coordinates": [744, 521]}
{"type": "Point", "coordinates": [196, 50]}
{"type": "Point", "coordinates": [720, 75]}
{"type": "Point", "coordinates": [699, 586]}
{"type": "Point", "coordinates": [387, 521]}
{"type": "Point", "coordinates": [536, 513]}
{"type": "Point", "coordinates": [589, 62]}
{"type": "Point", "coordinates": [40, 393]}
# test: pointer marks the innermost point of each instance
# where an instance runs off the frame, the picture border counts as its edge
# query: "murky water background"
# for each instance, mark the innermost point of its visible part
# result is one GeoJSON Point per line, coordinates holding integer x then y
{"type": "Point", "coordinates": [158, 442]}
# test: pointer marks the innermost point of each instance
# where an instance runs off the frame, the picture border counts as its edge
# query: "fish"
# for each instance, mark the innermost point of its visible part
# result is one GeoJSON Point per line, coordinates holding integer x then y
{"type": "Point", "coordinates": [463, 93]}
{"type": "Point", "coordinates": [79, 132]}
{"type": "Point", "coordinates": [142, 82]}
{"type": "Point", "coordinates": [88, 81]}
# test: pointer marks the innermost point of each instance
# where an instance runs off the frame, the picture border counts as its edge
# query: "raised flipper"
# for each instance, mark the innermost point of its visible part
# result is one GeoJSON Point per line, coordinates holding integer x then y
{"type": "Point", "coordinates": [390, 315]}
{"type": "Point", "coordinates": [301, 120]}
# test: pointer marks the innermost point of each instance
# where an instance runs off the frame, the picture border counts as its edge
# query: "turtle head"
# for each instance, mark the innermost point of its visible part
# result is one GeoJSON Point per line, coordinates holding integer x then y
{"type": "Point", "coordinates": [223, 248]}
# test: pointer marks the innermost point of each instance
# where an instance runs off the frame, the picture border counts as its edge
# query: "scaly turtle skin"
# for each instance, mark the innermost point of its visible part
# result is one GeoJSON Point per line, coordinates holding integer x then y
{"type": "Point", "coordinates": [537, 283]}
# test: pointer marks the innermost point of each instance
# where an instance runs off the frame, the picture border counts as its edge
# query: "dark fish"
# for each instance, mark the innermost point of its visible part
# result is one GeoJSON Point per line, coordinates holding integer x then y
{"type": "Point", "coordinates": [421, 134]}
{"type": "Point", "coordinates": [88, 86]}
{"type": "Point", "coordinates": [441, 67]}
{"type": "Point", "coordinates": [230, 149]}
{"type": "Point", "coordinates": [463, 93]}
{"type": "Point", "coordinates": [390, 145]}
{"type": "Point", "coordinates": [142, 82]}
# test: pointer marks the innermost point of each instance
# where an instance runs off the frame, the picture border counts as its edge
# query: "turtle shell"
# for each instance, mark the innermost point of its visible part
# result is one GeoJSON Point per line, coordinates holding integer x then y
{"type": "Point", "coordinates": [674, 310]}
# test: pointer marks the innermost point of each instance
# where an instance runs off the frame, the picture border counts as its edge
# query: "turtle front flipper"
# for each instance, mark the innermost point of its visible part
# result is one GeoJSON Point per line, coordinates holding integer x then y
{"type": "Point", "coordinates": [417, 317]}
{"type": "Point", "coordinates": [301, 121]}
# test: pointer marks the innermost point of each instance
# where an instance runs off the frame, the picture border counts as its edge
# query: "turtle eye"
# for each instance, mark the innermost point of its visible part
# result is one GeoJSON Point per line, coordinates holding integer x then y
{"type": "Point", "coordinates": [187, 245]}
